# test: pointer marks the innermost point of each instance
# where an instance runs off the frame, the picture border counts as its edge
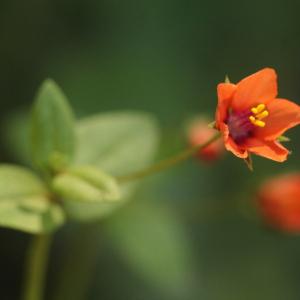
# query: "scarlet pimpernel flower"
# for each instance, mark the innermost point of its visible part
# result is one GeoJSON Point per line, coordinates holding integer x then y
{"type": "Point", "coordinates": [279, 202]}
{"type": "Point", "coordinates": [251, 118]}
{"type": "Point", "coordinates": [198, 133]}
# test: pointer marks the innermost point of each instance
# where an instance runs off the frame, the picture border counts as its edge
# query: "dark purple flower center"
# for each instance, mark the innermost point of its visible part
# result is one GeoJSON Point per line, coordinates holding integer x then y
{"type": "Point", "coordinates": [239, 125]}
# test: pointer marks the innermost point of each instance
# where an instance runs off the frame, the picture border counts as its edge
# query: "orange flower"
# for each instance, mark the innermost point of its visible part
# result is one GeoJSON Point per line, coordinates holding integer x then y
{"type": "Point", "coordinates": [251, 118]}
{"type": "Point", "coordinates": [279, 202]}
{"type": "Point", "coordinates": [199, 133]}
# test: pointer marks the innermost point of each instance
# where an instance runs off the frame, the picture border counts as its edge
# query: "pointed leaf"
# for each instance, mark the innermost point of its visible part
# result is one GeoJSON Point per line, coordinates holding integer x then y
{"type": "Point", "coordinates": [52, 128]}
{"type": "Point", "coordinates": [249, 163]}
{"type": "Point", "coordinates": [227, 80]}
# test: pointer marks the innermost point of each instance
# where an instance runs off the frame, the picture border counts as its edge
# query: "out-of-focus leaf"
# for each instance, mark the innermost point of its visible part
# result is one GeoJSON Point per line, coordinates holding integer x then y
{"type": "Point", "coordinates": [86, 184]}
{"type": "Point", "coordinates": [24, 204]}
{"type": "Point", "coordinates": [21, 216]}
{"type": "Point", "coordinates": [52, 128]}
{"type": "Point", "coordinates": [15, 132]}
{"type": "Point", "coordinates": [118, 143]}
{"type": "Point", "coordinates": [152, 240]}
{"type": "Point", "coordinates": [17, 182]}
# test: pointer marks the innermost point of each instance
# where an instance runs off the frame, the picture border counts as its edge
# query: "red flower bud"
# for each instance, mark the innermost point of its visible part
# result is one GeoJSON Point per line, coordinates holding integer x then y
{"type": "Point", "coordinates": [279, 202]}
{"type": "Point", "coordinates": [198, 133]}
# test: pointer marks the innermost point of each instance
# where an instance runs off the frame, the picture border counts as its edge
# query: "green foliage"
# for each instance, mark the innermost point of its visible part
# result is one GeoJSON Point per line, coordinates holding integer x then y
{"type": "Point", "coordinates": [24, 202]}
{"type": "Point", "coordinates": [86, 184]}
{"type": "Point", "coordinates": [117, 143]}
{"type": "Point", "coordinates": [15, 131]}
{"type": "Point", "coordinates": [76, 161]}
{"type": "Point", "coordinates": [283, 139]}
{"type": "Point", "coordinates": [152, 240]}
{"type": "Point", "coordinates": [52, 128]}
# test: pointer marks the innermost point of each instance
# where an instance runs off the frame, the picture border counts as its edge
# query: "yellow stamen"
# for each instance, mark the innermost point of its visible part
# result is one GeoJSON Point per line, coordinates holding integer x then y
{"type": "Point", "coordinates": [259, 113]}
{"type": "Point", "coordinates": [259, 123]}
{"type": "Point", "coordinates": [262, 115]}
{"type": "Point", "coordinates": [252, 119]}
{"type": "Point", "coordinates": [260, 107]}
{"type": "Point", "coordinates": [254, 110]}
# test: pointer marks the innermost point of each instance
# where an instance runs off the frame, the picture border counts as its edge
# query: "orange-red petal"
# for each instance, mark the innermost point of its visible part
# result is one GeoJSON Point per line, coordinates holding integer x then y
{"type": "Point", "coordinates": [260, 87]}
{"type": "Point", "coordinates": [279, 201]}
{"type": "Point", "coordinates": [269, 149]}
{"type": "Point", "coordinates": [225, 92]}
{"type": "Point", "coordinates": [230, 144]}
{"type": "Point", "coordinates": [283, 114]}
{"type": "Point", "coordinates": [199, 133]}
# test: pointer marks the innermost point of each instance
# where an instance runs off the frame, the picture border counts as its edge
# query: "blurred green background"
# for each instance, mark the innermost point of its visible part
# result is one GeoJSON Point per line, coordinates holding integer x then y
{"type": "Point", "coordinates": [190, 233]}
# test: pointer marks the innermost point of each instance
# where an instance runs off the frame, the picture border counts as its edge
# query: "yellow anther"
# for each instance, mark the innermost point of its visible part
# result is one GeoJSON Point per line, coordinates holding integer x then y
{"type": "Point", "coordinates": [259, 123]}
{"type": "Point", "coordinates": [254, 110]}
{"type": "Point", "coordinates": [259, 113]}
{"type": "Point", "coordinates": [260, 107]}
{"type": "Point", "coordinates": [252, 119]}
{"type": "Point", "coordinates": [262, 115]}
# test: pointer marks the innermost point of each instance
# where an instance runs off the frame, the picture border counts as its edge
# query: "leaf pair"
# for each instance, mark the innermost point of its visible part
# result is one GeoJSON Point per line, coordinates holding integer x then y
{"type": "Point", "coordinates": [73, 158]}
{"type": "Point", "coordinates": [24, 202]}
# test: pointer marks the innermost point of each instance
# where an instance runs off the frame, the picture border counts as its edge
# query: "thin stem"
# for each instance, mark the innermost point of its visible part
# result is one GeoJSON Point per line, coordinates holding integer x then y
{"type": "Point", "coordinates": [35, 268]}
{"type": "Point", "coordinates": [167, 163]}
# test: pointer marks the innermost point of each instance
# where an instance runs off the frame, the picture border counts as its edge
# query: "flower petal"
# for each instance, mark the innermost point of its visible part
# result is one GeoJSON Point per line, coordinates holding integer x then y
{"type": "Point", "coordinates": [283, 114]}
{"type": "Point", "coordinates": [268, 149]}
{"type": "Point", "coordinates": [225, 92]}
{"type": "Point", "coordinates": [260, 87]}
{"type": "Point", "coordinates": [230, 145]}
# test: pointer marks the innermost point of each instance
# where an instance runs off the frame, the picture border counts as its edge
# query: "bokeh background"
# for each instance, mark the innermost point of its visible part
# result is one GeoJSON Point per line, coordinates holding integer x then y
{"type": "Point", "coordinates": [192, 232]}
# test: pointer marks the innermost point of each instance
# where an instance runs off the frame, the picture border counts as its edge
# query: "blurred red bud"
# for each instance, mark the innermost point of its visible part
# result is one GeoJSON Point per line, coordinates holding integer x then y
{"type": "Point", "coordinates": [199, 132]}
{"type": "Point", "coordinates": [279, 202]}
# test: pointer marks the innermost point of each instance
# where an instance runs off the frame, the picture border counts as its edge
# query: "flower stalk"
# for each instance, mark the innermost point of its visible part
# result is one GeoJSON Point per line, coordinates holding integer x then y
{"type": "Point", "coordinates": [35, 269]}
{"type": "Point", "coordinates": [167, 163]}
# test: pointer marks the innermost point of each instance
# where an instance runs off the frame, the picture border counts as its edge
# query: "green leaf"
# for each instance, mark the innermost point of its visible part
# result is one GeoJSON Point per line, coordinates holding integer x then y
{"type": "Point", "coordinates": [118, 143]}
{"type": "Point", "coordinates": [249, 162]}
{"type": "Point", "coordinates": [86, 184]}
{"type": "Point", "coordinates": [23, 217]}
{"type": "Point", "coordinates": [212, 125]}
{"type": "Point", "coordinates": [24, 203]}
{"type": "Point", "coordinates": [18, 182]}
{"type": "Point", "coordinates": [52, 128]}
{"type": "Point", "coordinates": [15, 132]}
{"type": "Point", "coordinates": [227, 80]}
{"type": "Point", "coordinates": [151, 239]}
{"type": "Point", "coordinates": [283, 139]}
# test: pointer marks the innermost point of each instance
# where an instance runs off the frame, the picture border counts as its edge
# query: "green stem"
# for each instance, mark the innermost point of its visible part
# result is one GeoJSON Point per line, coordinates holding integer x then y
{"type": "Point", "coordinates": [167, 163]}
{"type": "Point", "coordinates": [36, 264]}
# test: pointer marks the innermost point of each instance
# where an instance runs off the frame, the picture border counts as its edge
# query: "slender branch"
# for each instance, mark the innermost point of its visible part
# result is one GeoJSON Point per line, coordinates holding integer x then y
{"type": "Point", "coordinates": [167, 163]}
{"type": "Point", "coordinates": [35, 268]}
